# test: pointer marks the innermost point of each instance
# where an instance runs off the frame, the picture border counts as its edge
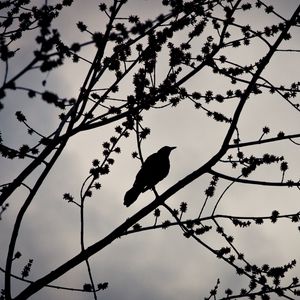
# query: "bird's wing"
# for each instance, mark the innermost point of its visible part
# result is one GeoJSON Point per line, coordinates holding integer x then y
{"type": "Point", "coordinates": [146, 172]}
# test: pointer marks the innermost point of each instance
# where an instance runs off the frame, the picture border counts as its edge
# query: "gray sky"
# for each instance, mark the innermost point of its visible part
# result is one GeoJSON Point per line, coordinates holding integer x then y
{"type": "Point", "coordinates": [161, 264]}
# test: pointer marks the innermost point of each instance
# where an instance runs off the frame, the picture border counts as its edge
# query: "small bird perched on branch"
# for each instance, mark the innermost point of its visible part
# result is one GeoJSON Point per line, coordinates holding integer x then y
{"type": "Point", "coordinates": [155, 168]}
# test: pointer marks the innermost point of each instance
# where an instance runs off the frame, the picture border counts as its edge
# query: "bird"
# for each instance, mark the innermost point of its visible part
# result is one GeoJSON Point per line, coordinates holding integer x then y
{"type": "Point", "coordinates": [155, 168]}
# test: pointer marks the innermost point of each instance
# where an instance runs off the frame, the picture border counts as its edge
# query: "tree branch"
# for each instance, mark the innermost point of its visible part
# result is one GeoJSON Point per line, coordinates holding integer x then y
{"type": "Point", "coordinates": [270, 140]}
{"type": "Point", "coordinates": [255, 182]}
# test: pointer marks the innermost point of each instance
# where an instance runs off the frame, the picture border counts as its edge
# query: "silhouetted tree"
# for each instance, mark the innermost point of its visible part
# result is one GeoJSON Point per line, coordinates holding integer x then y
{"type": "Point", "coordinates": [140, 65]}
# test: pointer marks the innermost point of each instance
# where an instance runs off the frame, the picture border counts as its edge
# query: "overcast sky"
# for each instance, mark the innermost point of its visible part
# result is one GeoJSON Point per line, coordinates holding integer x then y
{"type": "Point", "coordinates": [159, 264]}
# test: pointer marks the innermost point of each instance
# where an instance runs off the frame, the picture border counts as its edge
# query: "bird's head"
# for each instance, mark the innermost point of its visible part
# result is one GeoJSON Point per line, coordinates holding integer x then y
{"type": "Point", "coordinates": [166, 150]}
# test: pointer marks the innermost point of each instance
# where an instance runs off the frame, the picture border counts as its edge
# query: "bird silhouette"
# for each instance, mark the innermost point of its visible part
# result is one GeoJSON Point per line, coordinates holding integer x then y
{"type": "Point", "coordinates": [155, 168]}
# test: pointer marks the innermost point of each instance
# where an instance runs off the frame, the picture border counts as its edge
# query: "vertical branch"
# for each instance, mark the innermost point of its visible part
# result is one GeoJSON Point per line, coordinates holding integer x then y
{"type": "Point", "coordinates": [19, 218]}
{"type": "Point", "coordinates": [264, 62]}
{"type": "Point", "coordinates": [83, 246]}
{"type": "Point", "coordinates": [94, 73]}
{"type": "Point", "coordinates": [140, 86]}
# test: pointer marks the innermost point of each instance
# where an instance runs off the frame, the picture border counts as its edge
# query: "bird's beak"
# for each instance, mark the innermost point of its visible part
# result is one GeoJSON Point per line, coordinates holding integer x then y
{"type": "Point", "coordinates": [172, 148]}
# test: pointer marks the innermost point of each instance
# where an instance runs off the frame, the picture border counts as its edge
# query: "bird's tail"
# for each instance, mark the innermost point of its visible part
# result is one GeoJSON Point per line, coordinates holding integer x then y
{"type": "Point", "coordinates": [131, 196]}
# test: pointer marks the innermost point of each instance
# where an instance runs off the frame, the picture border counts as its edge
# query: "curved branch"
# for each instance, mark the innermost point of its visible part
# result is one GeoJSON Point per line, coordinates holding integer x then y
{"type": "Point", "coordinates": [255, 182]}
{"type": "Point", "coordinates": [209, 218]}
{"type": "Point", "coordinates": [58, 287]}
{"type": "Point", "coordinates": [270, 140]}
{"type": "Point", "coordinates": [19, 218]}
